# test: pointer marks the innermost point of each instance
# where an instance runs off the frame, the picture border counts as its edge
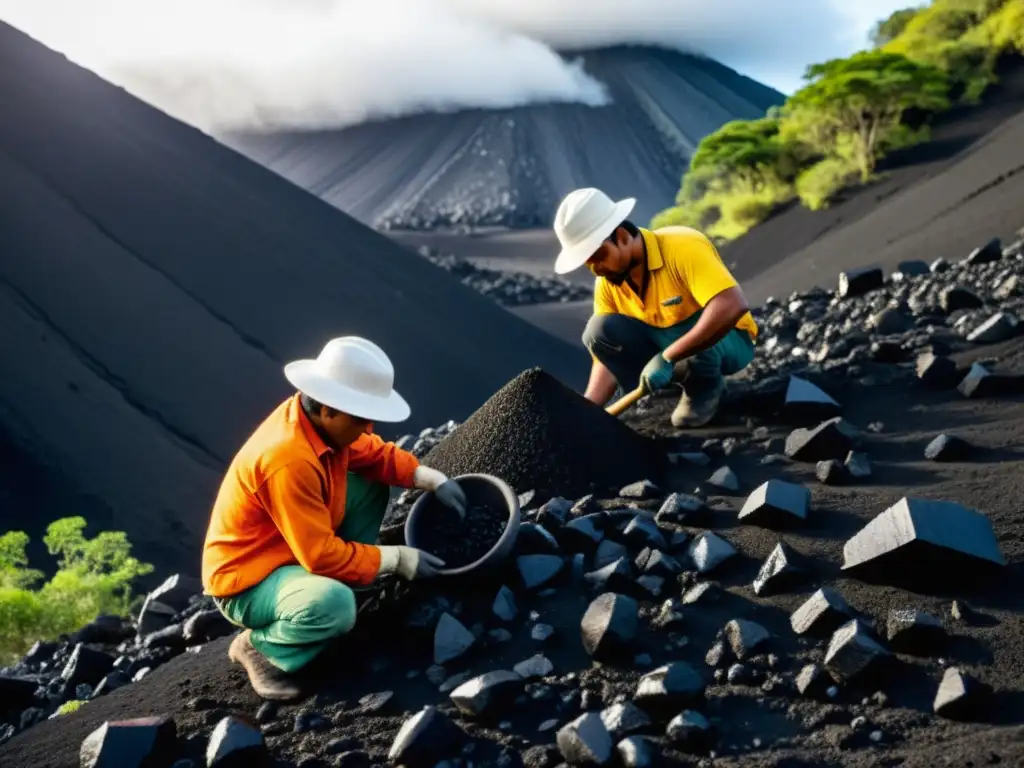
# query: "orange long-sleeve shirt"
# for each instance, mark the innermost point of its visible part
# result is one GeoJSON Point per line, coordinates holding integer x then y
{"type": "Point", "coordinates": [283, 498]}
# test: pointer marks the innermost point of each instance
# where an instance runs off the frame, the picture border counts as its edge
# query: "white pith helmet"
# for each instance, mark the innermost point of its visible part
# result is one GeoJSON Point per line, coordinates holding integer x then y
{"type": "Point", "coordinates": [585, 217]}
{"type": "Point", "coordinates": [352, 375]}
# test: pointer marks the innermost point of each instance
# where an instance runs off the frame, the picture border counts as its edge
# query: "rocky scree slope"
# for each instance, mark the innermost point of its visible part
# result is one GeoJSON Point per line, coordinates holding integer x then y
{"type": "Point", "coordinates": [833, 579]}
{"type": "Point", "coordinates": [507, 288]}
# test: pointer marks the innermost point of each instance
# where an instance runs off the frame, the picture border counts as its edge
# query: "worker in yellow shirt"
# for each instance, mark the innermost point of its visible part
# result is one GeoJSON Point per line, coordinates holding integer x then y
{"type": "Point", "coordinates": [666, 308]}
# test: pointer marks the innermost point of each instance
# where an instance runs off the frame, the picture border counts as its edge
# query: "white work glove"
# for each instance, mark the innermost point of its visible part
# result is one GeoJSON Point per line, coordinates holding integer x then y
{"type": "Point", "coordinates": [409, 563]}
{"type": "Point", "coordinates": [448, 492]}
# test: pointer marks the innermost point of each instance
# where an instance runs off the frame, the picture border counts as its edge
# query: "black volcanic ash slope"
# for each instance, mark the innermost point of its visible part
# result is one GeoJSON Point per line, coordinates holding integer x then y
{"type": "Point", "coordinates": [510, 167]}
{"type": "Point", "coordinates": [153, 283]}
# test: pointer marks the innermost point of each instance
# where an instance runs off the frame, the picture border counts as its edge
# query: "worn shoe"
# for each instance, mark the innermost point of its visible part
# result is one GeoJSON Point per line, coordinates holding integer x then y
{"type": "Point", "coordinates": [266, 680]}
{"type": "Point", "coordinates": [698, 405]}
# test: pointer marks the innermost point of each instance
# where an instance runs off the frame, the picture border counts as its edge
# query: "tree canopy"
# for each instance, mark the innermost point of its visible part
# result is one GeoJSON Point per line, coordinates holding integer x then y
{"type": "Point", "coordinates": [892, 26]}
{"type": "Point", "coordinates": [852, 112]}
{"type": "Point", "coordinates": [745, 148]}
{"type": "Point", "coordinates": [93, 576]}
{"type": "Point", "coordinates": [856, 104]}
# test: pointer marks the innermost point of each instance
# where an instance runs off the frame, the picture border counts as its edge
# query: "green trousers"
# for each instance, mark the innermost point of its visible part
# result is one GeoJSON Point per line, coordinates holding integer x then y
{"type": "Point", "coordinates": [294, 614]}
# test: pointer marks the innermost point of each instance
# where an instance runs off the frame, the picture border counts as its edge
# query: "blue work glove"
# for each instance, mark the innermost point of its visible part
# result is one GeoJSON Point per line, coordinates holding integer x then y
{"type": "Point", "coordinates": [448, 492]}
{"type": "Point", "coordinates": [656, 374]}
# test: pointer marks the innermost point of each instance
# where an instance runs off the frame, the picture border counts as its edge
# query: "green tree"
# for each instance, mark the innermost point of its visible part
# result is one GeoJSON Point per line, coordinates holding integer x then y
{"type": "Point", "coordinates": [107, 556]}
{"type": "Point", "coordinates": [946, 20]}
{"type": "Point", "coordinates": [1003, 30]}
{"type": "Point", "coordinates": [743, 150]}
{"type": "Point", "coordinates": [892, 26]}
{"type": "Point", "coordinates": [94, 576]}
{"type": "Point", "coordinates": [14, 570]}
{"type": "Point", "coordinates": [854, 106]}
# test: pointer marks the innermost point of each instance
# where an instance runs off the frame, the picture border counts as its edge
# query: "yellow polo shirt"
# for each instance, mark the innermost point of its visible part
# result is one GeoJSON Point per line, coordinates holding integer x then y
{"type": "Point", "coordinates": [686, 272]}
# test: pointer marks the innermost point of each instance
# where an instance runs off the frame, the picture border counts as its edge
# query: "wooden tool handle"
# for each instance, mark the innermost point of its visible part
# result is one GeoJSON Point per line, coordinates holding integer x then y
{"type": "Point", "coordinates": [625, 401]}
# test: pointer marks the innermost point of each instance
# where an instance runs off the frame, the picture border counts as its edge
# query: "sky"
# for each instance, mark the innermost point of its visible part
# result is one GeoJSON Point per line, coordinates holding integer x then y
{"type": "Point", "coordinates": [273, 64]}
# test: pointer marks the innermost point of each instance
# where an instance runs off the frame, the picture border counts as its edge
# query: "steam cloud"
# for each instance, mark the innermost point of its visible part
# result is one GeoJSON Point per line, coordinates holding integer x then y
{"type": "Point", "coordinates": [273, 64]}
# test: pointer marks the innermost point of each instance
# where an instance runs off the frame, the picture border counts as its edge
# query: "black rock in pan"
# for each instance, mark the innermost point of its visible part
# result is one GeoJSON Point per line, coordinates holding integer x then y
{"type": "Point", "coordinates": [462, 541]}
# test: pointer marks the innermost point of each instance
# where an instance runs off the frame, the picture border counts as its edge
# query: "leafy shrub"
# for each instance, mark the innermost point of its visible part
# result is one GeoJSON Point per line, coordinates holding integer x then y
{"type": "Point", "coordinates": [850, 107]}
{"type": "Point", "coordinates": [69, 706]}
{"type": "Point", "coordinates": [725, 214]}
{"type": "Point", "coordinates": [22, 617]}
{"type": "Point", "coordinates": [817, 185]}
{"type": "Point", "coordinates": [968, 65]}
{"type": "Point", "coordinates": [965, 38]}
{"type": "Point", "coordinates": [1000, 34]}
{"type": "Point", "coordinates": [851, 111]}
{"type": "Point", "coordinates": [740, 213]}
{"type": "Point", "coordinates": [1004, 29]}
{"type": "Point", "coordinates": [742, 210]}
{"type": "Point", "coordinates": [676, 216]}
{"type": "Point", "coordinates": [94, 576]}
{"type": "Point", "coordinates": [892, 26]}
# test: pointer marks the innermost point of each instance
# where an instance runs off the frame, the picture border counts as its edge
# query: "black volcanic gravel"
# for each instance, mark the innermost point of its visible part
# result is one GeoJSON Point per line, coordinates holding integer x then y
{"type": "Point", "coordinates": [537, 434]}
{"type": "Point", "coordinates": [508, 288]}
{"type": "Point", "coordinates": [461, 542]}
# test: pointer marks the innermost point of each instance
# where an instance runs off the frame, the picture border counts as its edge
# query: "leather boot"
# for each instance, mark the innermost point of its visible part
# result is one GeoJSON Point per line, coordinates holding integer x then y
{"type": "Point", "coordinates": [266, 680]}
{"type": "Point", "coordinates": [698, 404]}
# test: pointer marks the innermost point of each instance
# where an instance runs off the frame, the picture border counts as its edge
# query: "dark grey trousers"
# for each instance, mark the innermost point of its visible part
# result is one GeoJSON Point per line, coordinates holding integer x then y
{"type": "Point", "coordinates": [625, 345]}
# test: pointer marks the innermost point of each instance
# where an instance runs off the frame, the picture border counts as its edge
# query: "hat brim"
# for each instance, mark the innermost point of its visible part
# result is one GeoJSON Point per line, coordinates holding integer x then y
{"type": "Point", "coordinates": [305, 376]}
{"type": "Point", "coordinates": [574, 257]}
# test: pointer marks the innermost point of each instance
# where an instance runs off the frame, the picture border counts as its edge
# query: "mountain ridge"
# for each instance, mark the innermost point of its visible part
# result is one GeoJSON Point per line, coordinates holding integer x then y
{"type": "Point", "coordinates": [154, 282]}
{"type": "Point", "coordinates": [510, 167]}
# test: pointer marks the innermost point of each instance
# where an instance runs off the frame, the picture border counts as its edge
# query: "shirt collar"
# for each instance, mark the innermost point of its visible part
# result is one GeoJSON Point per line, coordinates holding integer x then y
{"type": "Point", "coordinates": [654, 258]}
{"type": "Point", "coordinates": [299, 416]}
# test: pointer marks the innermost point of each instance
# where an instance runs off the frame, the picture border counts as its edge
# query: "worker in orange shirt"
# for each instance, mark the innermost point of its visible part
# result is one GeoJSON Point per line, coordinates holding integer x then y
{"type": "Point", "coordinates": [298, 513]}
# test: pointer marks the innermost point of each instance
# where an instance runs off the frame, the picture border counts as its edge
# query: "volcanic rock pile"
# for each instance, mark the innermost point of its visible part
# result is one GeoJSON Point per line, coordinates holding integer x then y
{"type": "Point", "coordinates": [420, 445]}
{"type": "Point", "coordinates": [535, 433]}
{"type": "Point", "coordinates": [637, 626]}
{"type": "Point", "coordinates": [646, 581]}
{"type": "Point", "coordinates": [509, 289]}
{"type": "Point", "coordinates": [871, 318]}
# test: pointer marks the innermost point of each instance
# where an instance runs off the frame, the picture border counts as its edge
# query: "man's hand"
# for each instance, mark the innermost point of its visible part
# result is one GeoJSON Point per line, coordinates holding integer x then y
{"type": "Point", "coordinates": [656, 374]}
{"type": "Point", "coordinates": [409, 563]}
{"type": "Point", "coordinates": [448, 492]}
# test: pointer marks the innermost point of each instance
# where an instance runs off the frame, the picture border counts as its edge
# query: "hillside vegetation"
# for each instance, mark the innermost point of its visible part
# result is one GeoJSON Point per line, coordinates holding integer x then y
{"type": "Point", "coordinates": [852, 112]}
{"type": "Point", "coordinates": [93, 577]}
